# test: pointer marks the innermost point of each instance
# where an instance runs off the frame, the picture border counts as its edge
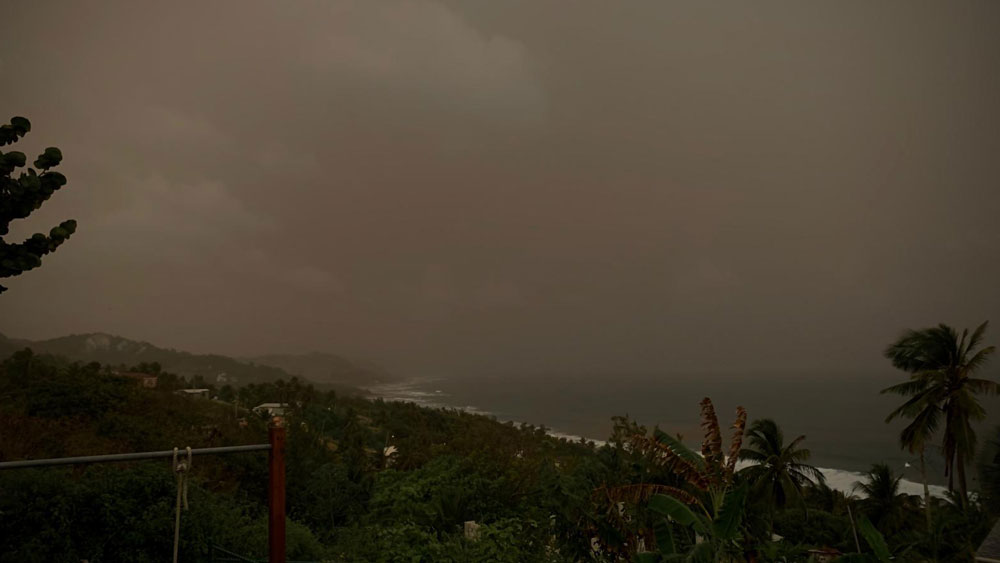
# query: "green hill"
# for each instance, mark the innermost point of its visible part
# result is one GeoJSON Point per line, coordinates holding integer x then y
{"type": "Point", "coordinates": [214, 368]}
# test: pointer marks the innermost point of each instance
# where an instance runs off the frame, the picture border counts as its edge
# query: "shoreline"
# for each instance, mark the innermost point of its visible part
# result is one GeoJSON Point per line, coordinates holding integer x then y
{"type": "Point", "coordinates": [842, 480]}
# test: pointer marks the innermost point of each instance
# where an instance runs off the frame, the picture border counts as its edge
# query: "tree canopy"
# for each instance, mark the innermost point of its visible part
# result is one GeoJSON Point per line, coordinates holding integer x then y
{"type": "Point", "coordinates": [942, 366]}
{"type": "Point", "coordinates": [22, 195]}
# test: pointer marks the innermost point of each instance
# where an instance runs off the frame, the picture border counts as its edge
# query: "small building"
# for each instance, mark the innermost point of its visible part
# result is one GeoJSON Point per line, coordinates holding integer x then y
{"type": "Point", "coordinates": [193, 393]}
{"type": "Point", "coordinates": [142, 379]}
{"type": "Point", "coordinates": [271, 409]}
{"type": "Point", "coordinates": [989, 550]}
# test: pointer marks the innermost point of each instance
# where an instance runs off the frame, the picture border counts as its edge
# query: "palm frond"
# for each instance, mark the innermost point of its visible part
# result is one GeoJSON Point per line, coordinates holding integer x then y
{"type": "Point", "coordinates": [766, 436]}
{"type": "Point", "coordinates": [811, 474]}
{"type": "Point", "coordinates": [980, 359]}
{"type": "Point", "coordinates": [909, 409]}
{"type": "Point", "coordinates": [754, 473]}
{"type": "Point", "coordinates": [983, 386]}
{"type": "Point", "coordinates": [906, 388]}
{"type": "Point", "coordinates": [916, 434]}
{"type": "Point", "coordinates": [801, 454]}
{"type": "Point", "coordinates": [977, 337]}
{"type": "Point", "coordinates": [793, 445]}
{"type": "Point", "coordinates": [753, 455]}
{"type": "Point", "coordinates": [960, 350]}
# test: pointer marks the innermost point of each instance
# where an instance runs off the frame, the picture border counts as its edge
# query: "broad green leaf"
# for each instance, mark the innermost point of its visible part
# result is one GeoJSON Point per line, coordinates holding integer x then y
{"type": "Point", "coordinates": [727, 522]}
{"type": "Point", "coordinates": [670, 507]}
{"type": "Point", "coordinates": [874, 538]}
{"type": "Point", "coordinates": [664, 537]}
{"type": "Point", "coordinates": [679, 449]}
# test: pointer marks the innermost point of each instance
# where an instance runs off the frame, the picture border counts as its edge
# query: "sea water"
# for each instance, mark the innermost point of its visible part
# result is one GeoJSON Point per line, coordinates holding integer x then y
{"type": "Point", "coordinates": [842, 417]}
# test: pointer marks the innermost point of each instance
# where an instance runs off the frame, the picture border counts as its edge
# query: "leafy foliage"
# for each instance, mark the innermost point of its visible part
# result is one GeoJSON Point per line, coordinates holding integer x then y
{"type": "Point", "coordinates": [941, 365]}
{"type": "Point", "coordinates": [22, 195]}
{"type": "Point", "coordinates": [644, 496]}
{"type": "Point", "coordinates": [778, 471]}
{"type": "Point", "coordinates": [883, 503]}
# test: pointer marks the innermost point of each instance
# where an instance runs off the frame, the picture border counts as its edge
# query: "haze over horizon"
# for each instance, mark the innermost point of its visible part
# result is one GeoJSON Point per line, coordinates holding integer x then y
{"type": "Point", "coordinates": [475, 187]}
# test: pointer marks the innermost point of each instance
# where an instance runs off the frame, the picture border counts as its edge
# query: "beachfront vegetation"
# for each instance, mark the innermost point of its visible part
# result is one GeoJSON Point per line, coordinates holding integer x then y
{"type": "Point", "coordinates": [942, 366]}
{"type": "Point", "coordinates": [645, 495]}
{"type": "Point", "coordinates": [779, 472]}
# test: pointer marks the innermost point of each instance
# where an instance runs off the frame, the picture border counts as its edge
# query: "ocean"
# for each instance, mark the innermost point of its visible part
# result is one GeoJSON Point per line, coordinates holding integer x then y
{"type": "Point", "coordinates": [841, 417]}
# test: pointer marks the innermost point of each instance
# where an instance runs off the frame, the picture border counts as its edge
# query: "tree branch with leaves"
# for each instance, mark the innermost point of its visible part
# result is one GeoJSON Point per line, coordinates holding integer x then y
{"type": "Point", "coordinates": [22, 195]}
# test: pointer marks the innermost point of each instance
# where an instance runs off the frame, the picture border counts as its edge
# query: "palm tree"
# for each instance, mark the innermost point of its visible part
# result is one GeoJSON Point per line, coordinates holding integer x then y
{"type": "Point", "coordinates": [941, 365]}
{"type": "Point", "coordinates": [914, 439]}
{"type": "Point", "coordinates": [883, 502]}
{"type": "Point", "coordinates": [827, 499]}
{"type": "Point", "coordinates": [779, 471]}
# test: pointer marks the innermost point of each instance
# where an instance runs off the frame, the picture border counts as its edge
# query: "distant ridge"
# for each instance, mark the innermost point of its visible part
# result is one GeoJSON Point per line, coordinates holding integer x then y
{"type": "Point", "coordinates": [318, 366]}
{"type": "Point", "coordinates": [214, 368]}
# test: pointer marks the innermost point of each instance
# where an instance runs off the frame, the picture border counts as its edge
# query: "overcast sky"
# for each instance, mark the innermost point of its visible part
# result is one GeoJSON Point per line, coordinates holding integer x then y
{"type": "Point", "coordinates": [479, 186]}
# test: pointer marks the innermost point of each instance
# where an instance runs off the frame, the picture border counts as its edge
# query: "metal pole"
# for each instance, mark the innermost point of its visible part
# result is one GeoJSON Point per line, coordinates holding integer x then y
{"type": "Point", "coordinates": [276, 492]}
{"type": "Point", "coordinates": [128, 457]}
{"type": "Point", "coordinates": [850, 514]}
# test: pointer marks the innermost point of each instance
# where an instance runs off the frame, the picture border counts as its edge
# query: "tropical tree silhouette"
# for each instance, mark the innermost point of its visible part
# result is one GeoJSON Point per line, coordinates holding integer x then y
{"type": "Point", "coordinates": [941, 365]}
{"type": "Point", "coordinates": [778, 472]}
{"type": "Point", "coordinates": [709, 503]}
{"type": "Point", "coordinates": [883, 503]}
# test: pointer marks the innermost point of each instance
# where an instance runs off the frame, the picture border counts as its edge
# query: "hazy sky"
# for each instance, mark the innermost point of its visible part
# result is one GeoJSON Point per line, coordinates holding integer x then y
{"type": "Point", "coordinates": [480, 186]}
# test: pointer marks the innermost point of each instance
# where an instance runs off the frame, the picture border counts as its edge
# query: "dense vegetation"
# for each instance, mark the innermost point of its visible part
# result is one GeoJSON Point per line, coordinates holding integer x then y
{"type": "Point", "coordinates": [325, 369]}
{"type": "Point", "coordinates": [642, 496]}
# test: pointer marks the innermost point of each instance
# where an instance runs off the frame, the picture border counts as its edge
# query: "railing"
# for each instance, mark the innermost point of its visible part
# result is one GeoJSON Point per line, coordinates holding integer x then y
{"type": "Point", "coordinates": [220, 554]}
{"type": "Point", "coordinates": [275, 490]}
{"type": "Point", "coordinates": [135, 456]}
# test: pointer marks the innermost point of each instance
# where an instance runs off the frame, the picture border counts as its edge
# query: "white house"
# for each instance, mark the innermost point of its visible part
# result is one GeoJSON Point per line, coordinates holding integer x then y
{"type": "Point", "coordinates": [271, 409]}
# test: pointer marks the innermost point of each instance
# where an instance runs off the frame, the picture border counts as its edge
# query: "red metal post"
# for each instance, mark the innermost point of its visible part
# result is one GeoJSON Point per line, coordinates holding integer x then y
{"type": "Point", "coordinates": [276, 492]}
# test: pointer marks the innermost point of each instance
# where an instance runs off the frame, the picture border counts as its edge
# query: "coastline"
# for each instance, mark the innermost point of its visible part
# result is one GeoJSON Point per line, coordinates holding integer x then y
{"type": "Point", "coordinates": [414, 391]}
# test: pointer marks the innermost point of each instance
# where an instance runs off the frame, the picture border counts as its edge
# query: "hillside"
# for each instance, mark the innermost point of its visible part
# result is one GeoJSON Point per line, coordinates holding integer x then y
{"type": "Point", "coordinates": [214, 368]}
{"type": "Point", "coordinates": [345, 501]}
{"type": "Point", "coordinates": [326, 368]}
{"type": "Point", "coordinates": [382, 481]}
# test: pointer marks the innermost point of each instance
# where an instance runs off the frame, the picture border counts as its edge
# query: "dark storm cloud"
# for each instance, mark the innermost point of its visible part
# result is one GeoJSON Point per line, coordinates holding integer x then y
{"type": "Point", "coordinates": [483, 186]}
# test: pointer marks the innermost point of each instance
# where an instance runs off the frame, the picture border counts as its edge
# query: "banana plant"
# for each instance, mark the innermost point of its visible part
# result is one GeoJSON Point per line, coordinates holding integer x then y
{"type": "Point", "coordinates": [709, 505]}
{"type": "Point", "coordinates": [716, 535]}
